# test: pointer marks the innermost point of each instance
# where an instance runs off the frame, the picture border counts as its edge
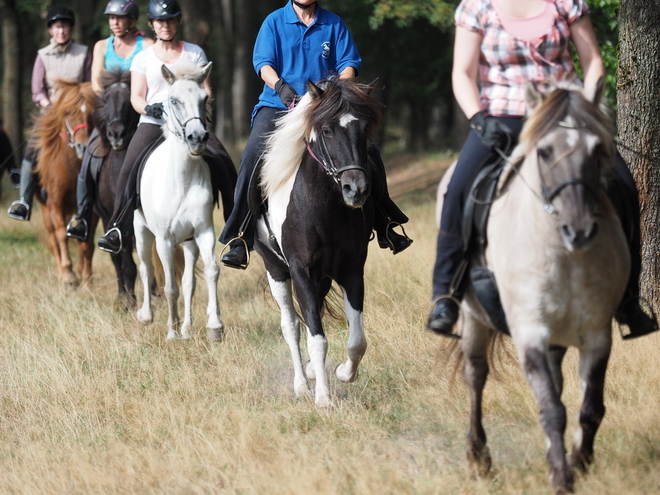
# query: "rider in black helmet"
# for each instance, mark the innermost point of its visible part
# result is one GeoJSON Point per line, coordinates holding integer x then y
{"type": "Point", "coordinates": [148, 92]}
{"type": "Point", "coordinates": [63, 60]}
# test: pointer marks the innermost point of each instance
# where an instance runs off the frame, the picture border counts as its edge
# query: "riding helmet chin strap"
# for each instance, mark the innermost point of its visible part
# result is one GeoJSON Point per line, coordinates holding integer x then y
{"type": "Point", "coordinates": [303, 6]}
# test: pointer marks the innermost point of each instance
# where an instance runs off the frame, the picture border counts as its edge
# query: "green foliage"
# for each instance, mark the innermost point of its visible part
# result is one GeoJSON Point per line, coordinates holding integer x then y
{"type": "Point", "coordinates": [439, 13]}
{"type": "Point", "coordinates": [34, 7]}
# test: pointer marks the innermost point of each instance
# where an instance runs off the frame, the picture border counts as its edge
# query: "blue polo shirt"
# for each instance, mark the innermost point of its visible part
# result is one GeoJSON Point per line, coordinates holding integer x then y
{"type": "Point", "coordinates": [298, 52]}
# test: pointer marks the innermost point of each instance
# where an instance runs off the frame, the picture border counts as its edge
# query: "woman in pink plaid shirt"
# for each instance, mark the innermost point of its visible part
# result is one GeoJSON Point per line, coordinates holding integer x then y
{"type": "Point", "coordinates": [499, 45]}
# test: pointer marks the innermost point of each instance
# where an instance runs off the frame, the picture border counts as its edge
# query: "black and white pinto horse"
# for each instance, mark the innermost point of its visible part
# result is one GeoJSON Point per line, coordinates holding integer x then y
{"type": "Point", "coordinates": [319, 220]}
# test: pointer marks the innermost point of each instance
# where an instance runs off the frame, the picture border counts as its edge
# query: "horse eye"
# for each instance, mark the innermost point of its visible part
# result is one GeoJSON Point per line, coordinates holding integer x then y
{"type": "Point", "coordinates": [545, 153]}
{"type": "Point", "coordinates": [326, 132]}
{"type": "Point", "coordinates": [173, 102]}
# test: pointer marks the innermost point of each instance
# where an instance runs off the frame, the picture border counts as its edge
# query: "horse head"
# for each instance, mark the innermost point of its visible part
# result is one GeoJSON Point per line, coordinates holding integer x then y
{"type": "Point", "coordinates": [186, 106]}
{"type": "Point", "coordinates": [115, 116]}
{"type": "Point", "coordinates": [342, 116]}
{"type": "Point", "coordinates": [570, 137]}
{"type": "Point", "coordinates": [71, 115]}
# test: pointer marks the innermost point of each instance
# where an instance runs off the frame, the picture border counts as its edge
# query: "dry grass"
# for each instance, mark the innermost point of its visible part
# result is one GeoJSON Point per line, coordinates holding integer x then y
{"type": "Point", "coordinates": [92, 402]}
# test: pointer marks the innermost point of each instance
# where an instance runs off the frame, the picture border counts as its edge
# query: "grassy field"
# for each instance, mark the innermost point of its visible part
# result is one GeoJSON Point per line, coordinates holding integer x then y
{"type": "Point", "coordinates": [91, 402]}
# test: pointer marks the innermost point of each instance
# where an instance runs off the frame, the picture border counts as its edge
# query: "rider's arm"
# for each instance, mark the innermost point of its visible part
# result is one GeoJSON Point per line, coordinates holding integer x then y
{"type": "Point", "coordinates": [138, 91]}
{"type": "Point", "coordinates": [348, 73]}
{"type": "Point", "coordinates": [586, 44]}
{"type": "Point", "coordinates": [39, 86]}
{"type": "Point", "coordinates": [467, 48]}
{"type": "Point", "coordinates": [269, 76]}
{"type": "Point", "coordinates": [98, 62]}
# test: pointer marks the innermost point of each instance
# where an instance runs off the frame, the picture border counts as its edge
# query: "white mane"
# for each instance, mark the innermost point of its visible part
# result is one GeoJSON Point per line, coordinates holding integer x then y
{"type": "Point", "coordinates": [285, 148]}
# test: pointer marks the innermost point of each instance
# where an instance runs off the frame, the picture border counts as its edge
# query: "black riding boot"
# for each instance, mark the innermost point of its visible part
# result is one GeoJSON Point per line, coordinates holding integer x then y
{"type": "Point", "coordinates": [622, 191]}
{"type": "Point", "coordinates": [388, 214]}
{"type": "Point", "coordinates": [78, 227]}
{"type": "Point", "coordinates": [447, 281]}
{"type": "Point", "coordinates": [238, 255]}
{"type": "Point", "coordinates": [22, 208]}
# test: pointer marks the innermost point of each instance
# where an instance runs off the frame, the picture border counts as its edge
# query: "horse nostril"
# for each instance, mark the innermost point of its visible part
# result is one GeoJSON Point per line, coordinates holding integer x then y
{"type": "Point", "coordinates": [592, 232]}
{"type": "Point", "coordinates": [568, 233]}
{"type": "Point", "coordinates": [348, 191]}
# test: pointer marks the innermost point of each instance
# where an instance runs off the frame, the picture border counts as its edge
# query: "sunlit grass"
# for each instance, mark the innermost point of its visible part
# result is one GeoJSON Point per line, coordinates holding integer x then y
{"type": "Point", "coordinates": [93, 402]}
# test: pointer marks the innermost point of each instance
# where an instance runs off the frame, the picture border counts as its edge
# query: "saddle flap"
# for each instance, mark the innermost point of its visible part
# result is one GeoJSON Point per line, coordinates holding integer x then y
{"type": "Point", "coordinates": [485, 287]}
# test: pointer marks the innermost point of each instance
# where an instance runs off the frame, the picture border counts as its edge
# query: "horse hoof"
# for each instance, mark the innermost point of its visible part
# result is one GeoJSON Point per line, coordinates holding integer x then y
{"type": "Point", "coordinates": [345, 376]}
{"type": "Point", "coordinates": [309, 370]}
{"type": "Point", "coordinates": [479, 461]}
{"type": "Point", "coordinates": [302, 390]}
{"type": "Point", "coordinates": [324, 402]}
{"type": "Point", "coordinates": [144, 317]}
{"type": "Point", "coordinates": [172, 335]}
{"type": "Point", "coordinates": [215, 334]}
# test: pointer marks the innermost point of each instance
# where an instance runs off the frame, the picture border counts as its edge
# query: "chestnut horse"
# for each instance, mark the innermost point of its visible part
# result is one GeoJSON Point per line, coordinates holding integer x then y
{"type": "Point", "coordinates": [61, 135]}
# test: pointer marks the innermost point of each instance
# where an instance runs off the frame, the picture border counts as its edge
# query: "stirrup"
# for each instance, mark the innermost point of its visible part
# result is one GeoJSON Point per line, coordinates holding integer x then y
{"type": "Point", "coordinates": [227, 247]}
{"type": "Point", "coordinates": [20, 202]}
{"type": "Point", "coordinates": [121, 242]}
{"type": "Point", "coordinates": [81, 221]}
{"type": "Point", "coordinates": [391, 224]}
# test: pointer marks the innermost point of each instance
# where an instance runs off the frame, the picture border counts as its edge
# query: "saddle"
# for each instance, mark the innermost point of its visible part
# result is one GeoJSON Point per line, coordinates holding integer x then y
{"type": "Point", "coordinates": [475, 223]}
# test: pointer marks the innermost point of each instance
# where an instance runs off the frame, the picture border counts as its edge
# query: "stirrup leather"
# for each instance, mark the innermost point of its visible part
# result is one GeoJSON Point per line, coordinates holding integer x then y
{"type": "Point", "coordinates": [121, 242]}
{"type": "Point", "coordinates": [227, 247]}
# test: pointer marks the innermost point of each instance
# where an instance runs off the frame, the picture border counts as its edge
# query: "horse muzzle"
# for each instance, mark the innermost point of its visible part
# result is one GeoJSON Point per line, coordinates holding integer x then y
{"type": "Point", "coordinates": [355, 187]}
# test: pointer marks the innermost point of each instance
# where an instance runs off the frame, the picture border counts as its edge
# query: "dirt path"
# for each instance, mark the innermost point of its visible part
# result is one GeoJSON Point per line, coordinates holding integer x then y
{"type": "Point", "coordinates": [411, 173]}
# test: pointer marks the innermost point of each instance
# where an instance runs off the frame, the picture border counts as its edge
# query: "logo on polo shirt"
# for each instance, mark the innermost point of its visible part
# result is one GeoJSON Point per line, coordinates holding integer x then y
{"type": "Point", "coordinates": [326, 49]}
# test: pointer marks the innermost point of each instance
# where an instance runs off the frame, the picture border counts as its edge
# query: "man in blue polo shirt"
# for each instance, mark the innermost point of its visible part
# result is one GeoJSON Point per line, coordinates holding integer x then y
{"type": "Point", "coordinates": [298, 42]}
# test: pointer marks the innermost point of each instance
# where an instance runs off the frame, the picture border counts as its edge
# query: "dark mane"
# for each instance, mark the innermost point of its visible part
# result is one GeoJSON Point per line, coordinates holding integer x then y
{"type": "Point", "coordinates": [341, 96]}
{"type": "Point", "coordinates": [108, 78]}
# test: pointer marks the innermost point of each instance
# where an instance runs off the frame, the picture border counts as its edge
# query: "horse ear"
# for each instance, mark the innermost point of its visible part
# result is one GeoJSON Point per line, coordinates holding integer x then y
{"type": "Point", "coordinates": [167, 74]}
{"type": "Point", "coordinates": [314, 90]}
{"type": "Point", "coordinates": [371, 86]}
{"type": "Point", "coordinates": [206, 70]}
{"type": "Point", "coordinates": [533, 96]}
{"type": "Point", "coordinates": [595, 93]}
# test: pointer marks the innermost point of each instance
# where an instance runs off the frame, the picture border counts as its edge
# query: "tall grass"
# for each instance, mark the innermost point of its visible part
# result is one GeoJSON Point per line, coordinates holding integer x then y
{"type": "Point", "coordinates": [93, 402]}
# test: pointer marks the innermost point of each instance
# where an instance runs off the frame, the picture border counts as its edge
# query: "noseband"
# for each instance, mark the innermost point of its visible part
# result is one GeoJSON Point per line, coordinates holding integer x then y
{"type": "Point", "coordinates": [548, 195]}
{"type": "Point", "coordinates": [181, 131]}
{"type": "Point", "coordinates": [71, 132]}
{"type": "Point", "coordinates": [328, 164]}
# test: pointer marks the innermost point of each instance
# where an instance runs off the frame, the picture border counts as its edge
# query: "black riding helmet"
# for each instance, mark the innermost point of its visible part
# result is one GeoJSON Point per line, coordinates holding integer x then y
{"type": "Point", "coordinates": [163, 9]}
{"type": "Point", "coordinates": [122, 7]}
{"type": "Point", "coordinates": [60, 13]}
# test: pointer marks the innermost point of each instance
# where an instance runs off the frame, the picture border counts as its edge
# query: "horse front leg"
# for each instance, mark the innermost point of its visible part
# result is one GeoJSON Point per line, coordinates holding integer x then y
{"type": "Point", "coordinates": [290, 324]}
{"type": "Point", "coordinates": [593, 365]}
{"type": "Point", "coordinates": [214, 325]}
{"type": "Point", "coordinates": [317, 344]}
{"type": "Point", "coordinates": [475, 338]}
{"type": "Point", "coordinates": [165, 249]}
{"type": "Point", "coordinates": [68, 278]}
{"type": "Point", "coordinates": [188, 281]}
{"type": "Point", "coordinates": [144, 240]}
{"type": "Point", "coordinates": [86, 253]}
{"type": "Point", "coordinates": [357, 343]}
{"type": "Point", "coordinates": [534, 360]}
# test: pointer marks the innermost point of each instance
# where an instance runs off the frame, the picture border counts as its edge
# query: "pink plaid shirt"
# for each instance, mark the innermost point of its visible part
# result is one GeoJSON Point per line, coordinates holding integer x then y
{"type": "Point", "coordinates": [506, 62]}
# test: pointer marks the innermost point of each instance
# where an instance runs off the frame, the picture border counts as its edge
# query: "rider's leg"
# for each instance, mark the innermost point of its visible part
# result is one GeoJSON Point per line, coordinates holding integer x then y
{"type": "Point", "coordinates": [78, 226]}
{"type": "Point", "coordinates": [450, 249]}
{"type": "Point", "coordinates": [121, 221]}
{"type": "Point", "coordinates": [22, 209]}
{"type": "Point", "coordinates": [388, 214]}
{"type": "Point", "coordinates": [239, 229]}
{"type": "Point", "coordinates": [622, 191]}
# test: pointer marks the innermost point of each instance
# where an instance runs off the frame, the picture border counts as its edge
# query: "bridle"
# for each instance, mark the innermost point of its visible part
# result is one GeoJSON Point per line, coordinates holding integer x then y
{"type": "Point", "coordinates": [69, 138]}
{"type": "Point", "coordinates": [181, 131]}
{"type": "Point", "coordinates": [327, 163]}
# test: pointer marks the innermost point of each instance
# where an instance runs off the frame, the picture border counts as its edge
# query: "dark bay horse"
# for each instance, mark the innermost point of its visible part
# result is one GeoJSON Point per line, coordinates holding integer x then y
{"type": "Point", "coordinates": [561, 261]}
{"type": "Point", "coordinates": [319, 220]}
{"type": "Point", "coordinates": [61, 135]}
{"type": "Point", "coordinates": [116, 121]}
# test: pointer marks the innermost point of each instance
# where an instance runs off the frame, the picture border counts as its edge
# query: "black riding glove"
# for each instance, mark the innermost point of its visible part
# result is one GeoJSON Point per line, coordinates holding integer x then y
{"type": "Point", "coordinates": [493, 133]}
{"type": "Point", "coordinates": [286, 92]}
{"type": "Point", "coordinates": [154, 110]}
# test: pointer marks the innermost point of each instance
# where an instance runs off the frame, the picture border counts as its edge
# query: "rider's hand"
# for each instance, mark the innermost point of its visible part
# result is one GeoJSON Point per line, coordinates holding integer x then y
{"type": "Point", "coordinates": [286, 92]}
{"type": "Point", "coordinates": [154, 110]}
{"type": "Point", "coordinates": [493, 133]}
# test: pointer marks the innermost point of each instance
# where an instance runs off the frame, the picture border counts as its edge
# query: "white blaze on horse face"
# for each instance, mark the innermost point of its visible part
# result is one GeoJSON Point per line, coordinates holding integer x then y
{"type": "Point", "coordinates": [346, 119]}
{"type": "Point", "coordinates": [83, 108]}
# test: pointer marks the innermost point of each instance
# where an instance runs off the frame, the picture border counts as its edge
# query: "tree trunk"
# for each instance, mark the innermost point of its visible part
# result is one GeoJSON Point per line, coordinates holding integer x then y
{"type": "Point", "coordinates": [638, 87]}
{"type": "Point", "coordinates": [225, 39]}
{"type": "Point", "coordinates": [11, 84]}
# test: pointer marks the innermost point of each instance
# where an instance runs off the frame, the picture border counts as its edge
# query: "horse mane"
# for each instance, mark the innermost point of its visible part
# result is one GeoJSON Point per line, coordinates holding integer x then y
{"type": "Point", "coordinates": [286, 144]}
{"type": "Point", "coordinates": [49, 126]}
{"type": "Point", "coordinates": [564, 99]}
{"type": "Point", "coordinates": [108, 78]}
